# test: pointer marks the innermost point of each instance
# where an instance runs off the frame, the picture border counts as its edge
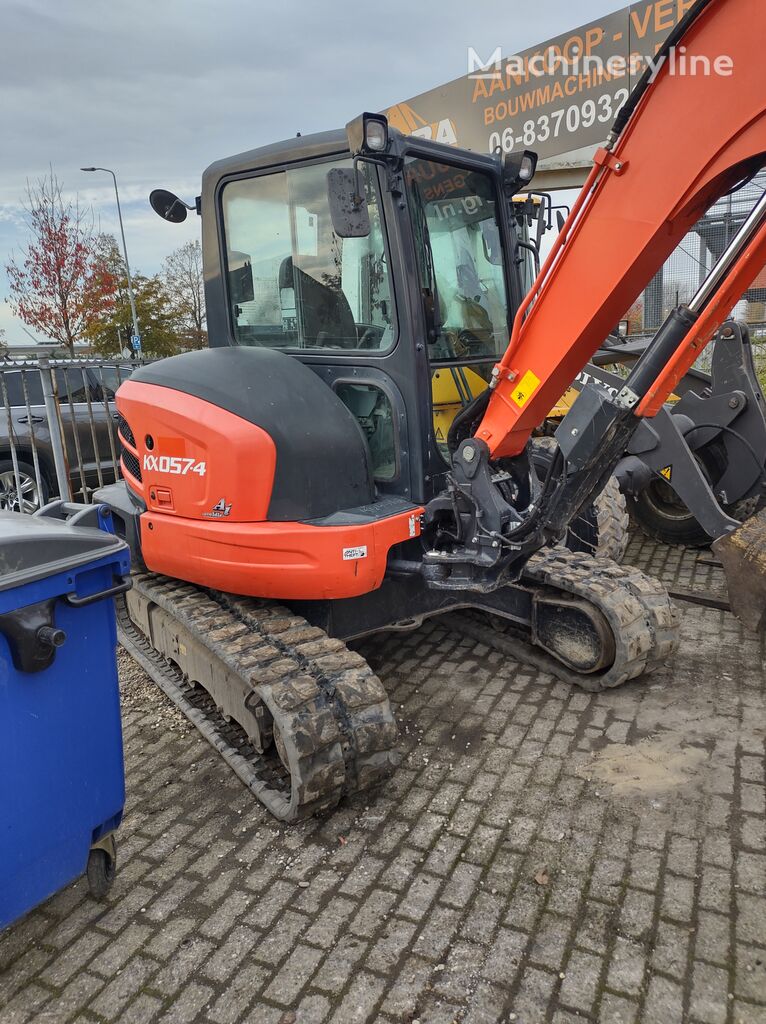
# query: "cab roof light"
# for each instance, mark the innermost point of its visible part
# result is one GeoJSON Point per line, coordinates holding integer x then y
{"type": "Point", "coordinates": [368, 134]}
{"type": "Point", "coordinates": [518, 169]}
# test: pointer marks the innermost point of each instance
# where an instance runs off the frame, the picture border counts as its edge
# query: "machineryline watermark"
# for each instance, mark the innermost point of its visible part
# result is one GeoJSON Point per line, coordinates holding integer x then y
{"type": "Point", "coordinates": [677, 59]}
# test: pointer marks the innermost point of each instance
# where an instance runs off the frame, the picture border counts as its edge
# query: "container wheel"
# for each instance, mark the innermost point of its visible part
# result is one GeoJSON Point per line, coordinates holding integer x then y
{"type": "Point", "coordinates": [101, 870]}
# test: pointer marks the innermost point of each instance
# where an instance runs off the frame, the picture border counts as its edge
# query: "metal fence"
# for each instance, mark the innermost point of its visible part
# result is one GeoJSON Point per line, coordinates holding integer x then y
{"type": "Point", "coordinates": [58, 430]}
{"type": "Point", "coordinates": [705, 359]}
{"type": "Point", "coordinates": [683, 274]}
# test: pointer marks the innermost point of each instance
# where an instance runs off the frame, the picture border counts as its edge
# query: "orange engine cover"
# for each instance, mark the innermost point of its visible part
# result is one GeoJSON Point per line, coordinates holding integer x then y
{"type": "Point", "coordinates": [206, 477]}
{"type": "Point", "coordinates": [203, 460]}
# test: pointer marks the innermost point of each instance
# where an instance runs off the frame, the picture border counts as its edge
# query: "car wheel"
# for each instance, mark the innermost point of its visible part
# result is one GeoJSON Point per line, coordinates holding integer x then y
{"type": "Point", "coordinates": [33, 495]}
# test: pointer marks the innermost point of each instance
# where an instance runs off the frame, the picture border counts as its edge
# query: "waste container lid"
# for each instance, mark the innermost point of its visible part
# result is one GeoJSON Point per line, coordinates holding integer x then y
{"type": "Point", "coordinates": [33, 548]}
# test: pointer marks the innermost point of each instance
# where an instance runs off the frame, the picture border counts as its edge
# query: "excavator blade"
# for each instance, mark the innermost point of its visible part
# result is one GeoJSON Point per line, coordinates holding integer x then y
{"type": "Point", "coordinates": [743, 555]}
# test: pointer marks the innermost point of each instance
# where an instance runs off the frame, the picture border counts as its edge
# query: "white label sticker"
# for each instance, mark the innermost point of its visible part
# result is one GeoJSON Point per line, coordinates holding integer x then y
{"type": "Point", "coordinates": [351, 554]}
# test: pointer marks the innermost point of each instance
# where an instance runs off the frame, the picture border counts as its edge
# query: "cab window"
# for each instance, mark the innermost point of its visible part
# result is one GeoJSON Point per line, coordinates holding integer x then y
{"type": "Point", "coordinates": [292, 282]}
{"type": "Point", "coordinates": [457, 234]}
{"type": "Point", "coordinates": [373, 411]}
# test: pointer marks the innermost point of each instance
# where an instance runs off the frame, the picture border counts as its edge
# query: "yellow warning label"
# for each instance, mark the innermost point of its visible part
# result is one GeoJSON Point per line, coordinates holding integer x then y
{"type": "Point", "coordinates": [667, 473]}
{"type": "Point", "coordinates": [526, 387]}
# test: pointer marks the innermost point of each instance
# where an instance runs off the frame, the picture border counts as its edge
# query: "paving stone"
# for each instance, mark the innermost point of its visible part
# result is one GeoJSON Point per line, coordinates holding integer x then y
{"type": "Point", "coordinates": [671, 950]}
{"type": "Point", "coordinates": [533, 995]}
{"type": "Point", "coordinates": [325, 929]}
{"type": "Point", "coordinates": [144, 1008]}
{"type": "Point", "coordinates": [627, 964]}
{"type": "Point", "coordinates": [505, 956]}
{"type": "Point", "coordinates": [712, 938]}
{"type": "Point", "coordinates": [239, 993]}
{"type": "Point", "coordinates": [664, 1000]}
{"type": "Point", "coordinates": [709, 996]}
{"type": "Point", "coordinates": [359, 1002]}
{"type": "Point", "coordinates": [419, 897]}
{"type": "Point", "coordinates": [188, 1004]}
{"type": "Point", "coordinates": [71, 1001]}
{"type": "Point", "coordinates": [189, 958]}
{"type": "Point", "coordinates": [420, 900]}
{"type": "Point", "coordinates": [403, 995]}
{"type": "Point", "coordinates": [581, 979]}
{"type": "Point", "coordinates": [126, 983]}
{"type": "Point", "coordinates": [462, 884]}
{"type": "Point", "coordinates": [294, 975]}
{"type": "Point", "coordinates": [338, 968]}
{"type": "Point", "coordinates": [488, 1005]}
{"type": "Point", "coordinates": [617, 1009]}
{"type": "Point", "coordinates": [230, 955]}
{"type": "Point", "coordinates": [461, 969]}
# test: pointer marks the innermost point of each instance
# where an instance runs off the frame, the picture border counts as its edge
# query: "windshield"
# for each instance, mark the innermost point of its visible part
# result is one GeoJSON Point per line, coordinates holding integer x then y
{"type": "Point", "coordinates": [292, 282]}
{"type": "Point", "coordinates": [454, 215]}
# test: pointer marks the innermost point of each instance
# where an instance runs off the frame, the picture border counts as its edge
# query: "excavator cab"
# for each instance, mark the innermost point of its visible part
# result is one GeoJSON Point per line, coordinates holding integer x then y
{"type": "Point", "coordinates": [402, 322]}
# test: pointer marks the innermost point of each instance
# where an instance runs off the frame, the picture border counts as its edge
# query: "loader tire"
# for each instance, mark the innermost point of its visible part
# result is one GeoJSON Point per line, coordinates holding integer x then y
{"type": "Point", "coordinates": [661, 514]}
{"type": "Point", "coordinates": [602, 528]}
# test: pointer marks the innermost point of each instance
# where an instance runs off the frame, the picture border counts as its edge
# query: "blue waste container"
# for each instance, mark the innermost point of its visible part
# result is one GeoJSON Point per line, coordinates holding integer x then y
{"type": "Point", "coordinates": [62, 784]}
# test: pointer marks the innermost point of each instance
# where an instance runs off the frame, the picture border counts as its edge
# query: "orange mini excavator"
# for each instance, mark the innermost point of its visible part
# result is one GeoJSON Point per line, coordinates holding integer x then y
{"type": "Point", "coordinates": [284, 490]}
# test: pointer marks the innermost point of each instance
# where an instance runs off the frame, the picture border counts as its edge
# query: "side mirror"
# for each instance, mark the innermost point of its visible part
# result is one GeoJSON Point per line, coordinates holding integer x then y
{"type": "Point", "coordinates": [240, 279]}
{"type": "Point", "coordinates": [560, 220]}
{"type": "Point", "coordinates": [348, 206]}
{"type": "Point", "coordinates": [168, 206]}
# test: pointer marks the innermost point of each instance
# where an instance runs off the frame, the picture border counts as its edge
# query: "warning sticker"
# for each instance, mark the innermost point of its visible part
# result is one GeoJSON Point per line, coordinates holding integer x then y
{"type": "Point", "coordinates": [524, 390]}
{"type": "Point", "coordinates": [667, 473]}
{"type": "Point", "coordinates": [351, 554]}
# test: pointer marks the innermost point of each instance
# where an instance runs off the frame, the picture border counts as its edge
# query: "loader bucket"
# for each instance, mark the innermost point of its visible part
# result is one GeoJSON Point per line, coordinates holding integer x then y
{"type": "Point", "coordinates": [743, 555]}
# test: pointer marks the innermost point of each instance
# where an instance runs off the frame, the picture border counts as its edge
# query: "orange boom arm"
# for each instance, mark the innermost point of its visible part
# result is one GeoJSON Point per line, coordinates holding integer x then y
{"type": "Point", "coordinates": [690, 139]}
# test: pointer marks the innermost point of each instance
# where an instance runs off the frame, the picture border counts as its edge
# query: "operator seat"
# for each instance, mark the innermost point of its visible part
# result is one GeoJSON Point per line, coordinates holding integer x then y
{"type": "Point", "coordinates": [324, 314]}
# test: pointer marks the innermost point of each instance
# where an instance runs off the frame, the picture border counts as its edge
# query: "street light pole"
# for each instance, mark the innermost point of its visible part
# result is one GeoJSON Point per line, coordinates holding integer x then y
{"type": "Point", "coordinates": [131, 297]}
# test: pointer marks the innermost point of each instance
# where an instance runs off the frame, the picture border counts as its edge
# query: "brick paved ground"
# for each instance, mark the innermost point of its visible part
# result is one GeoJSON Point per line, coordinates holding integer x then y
{"type": "Point", "coordinates": [541, 855]}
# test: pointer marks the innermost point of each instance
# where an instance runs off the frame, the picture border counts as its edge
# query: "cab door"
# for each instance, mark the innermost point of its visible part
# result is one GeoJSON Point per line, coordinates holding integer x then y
{"type": "Point", "coordinates": [463, 266]}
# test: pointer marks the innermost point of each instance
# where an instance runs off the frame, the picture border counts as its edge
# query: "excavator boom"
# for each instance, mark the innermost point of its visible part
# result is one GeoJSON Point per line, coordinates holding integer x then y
{"type": "Point", "coordinates": [681, 142]}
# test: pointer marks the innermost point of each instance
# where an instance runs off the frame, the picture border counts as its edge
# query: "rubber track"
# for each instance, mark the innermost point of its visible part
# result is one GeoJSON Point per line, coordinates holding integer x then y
{"type": "Point", "coordinates": [331, 710]}
{"type": "Point", "coordinates": [356, 695]}
{"type": "Point", "coordinates": [638, 609]}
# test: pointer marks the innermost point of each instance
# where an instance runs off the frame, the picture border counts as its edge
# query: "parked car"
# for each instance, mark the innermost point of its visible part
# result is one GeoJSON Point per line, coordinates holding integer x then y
{"type": "Point", "coordinates": [88, 416]}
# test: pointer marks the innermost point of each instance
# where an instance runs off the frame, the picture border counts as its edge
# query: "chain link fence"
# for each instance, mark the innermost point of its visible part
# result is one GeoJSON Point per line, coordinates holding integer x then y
{"type": "Point", "coordinates": [683, 274]}
{"type": "Point", "coordinates": [58, 430]}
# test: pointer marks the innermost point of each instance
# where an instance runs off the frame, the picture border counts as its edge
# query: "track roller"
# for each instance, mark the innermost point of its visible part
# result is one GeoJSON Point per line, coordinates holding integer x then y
{"type": "Point", "coordinates": [615, 623]}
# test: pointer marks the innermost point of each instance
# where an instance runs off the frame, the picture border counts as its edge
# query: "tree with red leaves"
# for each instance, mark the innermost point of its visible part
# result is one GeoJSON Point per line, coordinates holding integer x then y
{"type": "Point", "coordinates": [60, 283]}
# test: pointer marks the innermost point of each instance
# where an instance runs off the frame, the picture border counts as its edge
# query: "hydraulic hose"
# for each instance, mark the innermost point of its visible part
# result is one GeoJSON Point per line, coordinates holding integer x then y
{"type": "Point", "coordinates": [648, 76]}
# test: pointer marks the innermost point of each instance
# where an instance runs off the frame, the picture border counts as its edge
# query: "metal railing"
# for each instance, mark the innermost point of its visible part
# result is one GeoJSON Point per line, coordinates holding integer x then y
{"type": "Point", "coordinates": [58, 430]}
{"type": "Point", "coordinates": [705, 359]}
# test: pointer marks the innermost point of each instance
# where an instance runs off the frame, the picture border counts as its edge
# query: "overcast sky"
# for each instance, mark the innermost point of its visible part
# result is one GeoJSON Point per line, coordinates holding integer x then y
{"type": "Point", "coordinates": [158, 89]}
